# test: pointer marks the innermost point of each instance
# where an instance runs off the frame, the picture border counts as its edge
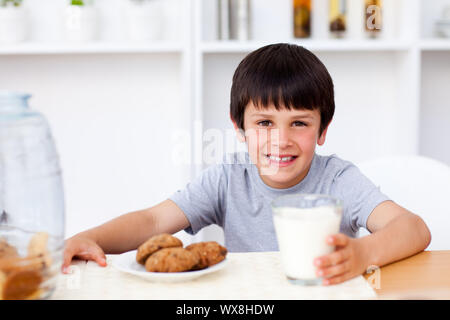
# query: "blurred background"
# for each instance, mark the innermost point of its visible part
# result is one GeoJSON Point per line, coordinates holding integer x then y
{"type": "Point", "coordinates": [130, 86]}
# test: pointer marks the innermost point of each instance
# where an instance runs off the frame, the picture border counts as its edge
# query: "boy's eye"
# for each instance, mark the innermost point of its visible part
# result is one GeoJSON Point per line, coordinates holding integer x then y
{"type": "Point", "coordinates": [299, 124]}
{"type": "Point", "coordinates": [264, 123]}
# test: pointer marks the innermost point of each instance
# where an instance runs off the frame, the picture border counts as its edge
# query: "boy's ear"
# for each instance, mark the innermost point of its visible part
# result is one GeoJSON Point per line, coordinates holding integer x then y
{"type": "Point", "coordinates": [321, 139]}
{"type": "Point", "coordinates": [239, 132]}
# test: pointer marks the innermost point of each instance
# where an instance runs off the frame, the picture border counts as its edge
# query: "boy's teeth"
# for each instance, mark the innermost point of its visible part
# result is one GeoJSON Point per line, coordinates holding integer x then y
{"type": "Point", "coordinates": [284, 159]}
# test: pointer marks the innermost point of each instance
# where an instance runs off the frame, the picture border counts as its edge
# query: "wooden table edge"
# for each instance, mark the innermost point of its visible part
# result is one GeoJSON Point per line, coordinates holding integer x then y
{"type": "Point", "coordinates": [423, 276]}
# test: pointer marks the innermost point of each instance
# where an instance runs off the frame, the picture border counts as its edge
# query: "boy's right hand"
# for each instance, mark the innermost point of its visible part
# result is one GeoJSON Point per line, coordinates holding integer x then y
{"type": "Point", "coordinates": [84, 248]}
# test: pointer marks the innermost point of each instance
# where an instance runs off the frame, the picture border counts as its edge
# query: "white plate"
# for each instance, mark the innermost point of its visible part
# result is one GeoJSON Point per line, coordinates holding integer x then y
{"type": "Point", "coordinates": [126, 262]}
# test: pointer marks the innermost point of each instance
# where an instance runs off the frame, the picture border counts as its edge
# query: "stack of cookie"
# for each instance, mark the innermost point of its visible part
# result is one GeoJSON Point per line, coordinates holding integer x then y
{"type": "Point", "coordinates": [21, 277]}
{"type": "Point", "coordinates": [165, 253]}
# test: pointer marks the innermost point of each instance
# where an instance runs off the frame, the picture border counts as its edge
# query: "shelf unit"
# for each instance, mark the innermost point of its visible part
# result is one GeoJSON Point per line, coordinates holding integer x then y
{"type": "Point", "coordinates": [387, 98]}
{"type": "Point", "coordinates": [30, 48]}
{"type": "Point", "coordinates": [219, 47]}
{"type": "Point", "coordinates": [434, 45]}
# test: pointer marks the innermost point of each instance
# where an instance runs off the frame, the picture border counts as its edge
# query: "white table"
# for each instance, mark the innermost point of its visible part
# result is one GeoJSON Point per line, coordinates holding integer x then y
{"type": "Point", "coordinates": [255, 276]}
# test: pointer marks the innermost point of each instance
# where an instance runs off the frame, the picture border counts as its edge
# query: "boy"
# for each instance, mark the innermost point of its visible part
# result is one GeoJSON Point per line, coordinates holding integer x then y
{"type": "Point", "coordinates": [282, 102]}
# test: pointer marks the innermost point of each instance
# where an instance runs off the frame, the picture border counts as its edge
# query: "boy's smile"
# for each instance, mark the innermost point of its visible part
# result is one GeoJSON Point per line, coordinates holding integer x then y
{"type": "Point", "coordinates": [282, 160]}
{"type": "Point", "coordinates": [281, 143]}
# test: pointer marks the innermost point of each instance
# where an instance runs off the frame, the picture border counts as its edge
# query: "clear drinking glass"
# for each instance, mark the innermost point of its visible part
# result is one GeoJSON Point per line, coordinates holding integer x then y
{"type": "Point", "coordinates": [31, 202]}
{"type": "Point", "coordinates": [302, 224]}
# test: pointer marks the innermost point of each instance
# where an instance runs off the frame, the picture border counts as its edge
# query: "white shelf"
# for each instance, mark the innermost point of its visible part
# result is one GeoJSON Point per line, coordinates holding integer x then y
{"type": "Point", "coordinates": [31, 48]}
{"type": "Point", "coordinates": [314, 45]}
{"type": "Point", "coordinates": [435, 45]}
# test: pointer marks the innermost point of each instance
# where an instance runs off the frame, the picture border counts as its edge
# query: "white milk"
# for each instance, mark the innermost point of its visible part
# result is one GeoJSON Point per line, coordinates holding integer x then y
{"type": "Point", "coordinates": [301, 235]}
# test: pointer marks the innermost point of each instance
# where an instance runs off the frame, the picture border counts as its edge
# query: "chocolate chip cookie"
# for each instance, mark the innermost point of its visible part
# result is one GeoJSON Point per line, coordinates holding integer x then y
{"type": "Point", "coordinates": [171, 260]}
{"type": "Point", "coordinates": [156, 243]}
{"type": "Point", "coordinates": [208, 253]}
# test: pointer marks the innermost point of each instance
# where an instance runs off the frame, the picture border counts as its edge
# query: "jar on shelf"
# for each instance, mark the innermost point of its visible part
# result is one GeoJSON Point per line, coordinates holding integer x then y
{"type": "Point", "coordinates": [32, 210]}
{"type": "Point", "coordinates": [145, 19]}
{"type": "Point", "coordinates": [80, 21]}
{"type": "Point", "coordinates": [13, 21]}
{"type": "Point", "coordinates": [338, 19]}
{"type": "Point", "coordinates": [374, 17]}
{"type": "Point", "coordinates": [302, 18]}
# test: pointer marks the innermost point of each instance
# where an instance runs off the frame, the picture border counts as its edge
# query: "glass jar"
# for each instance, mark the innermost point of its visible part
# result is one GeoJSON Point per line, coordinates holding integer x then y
{"type": "Point", "coordinates": [32, 210]}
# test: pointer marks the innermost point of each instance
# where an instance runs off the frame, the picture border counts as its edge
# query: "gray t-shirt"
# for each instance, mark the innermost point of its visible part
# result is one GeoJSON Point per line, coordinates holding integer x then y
{"type": "Point", "coordinates": [233, 196]}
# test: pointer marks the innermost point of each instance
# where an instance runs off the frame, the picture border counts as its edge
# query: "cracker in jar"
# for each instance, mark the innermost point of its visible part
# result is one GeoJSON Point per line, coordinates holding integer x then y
{"type": "Point", "coordinates": [7, 250]}
{"type": "Point", "coordinates": [37, 247]}
{"type": "Point", "coordinates": [18, 263]}
{"type": "Point", "coordinates": [20, 277]}
{"type": "Point", "coordinates": [2, 282]}
{"type": "Point", "coordinates": [20, 285]}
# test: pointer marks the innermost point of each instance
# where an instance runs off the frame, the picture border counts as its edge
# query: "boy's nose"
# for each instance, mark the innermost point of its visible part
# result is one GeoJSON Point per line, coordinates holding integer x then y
{"type": "Point", "coordinates": [280, 138]}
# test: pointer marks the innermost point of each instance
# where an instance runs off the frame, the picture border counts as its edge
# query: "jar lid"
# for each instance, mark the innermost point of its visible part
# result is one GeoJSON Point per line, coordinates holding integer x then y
{"type": "Point", "coordinates": [11, 94]}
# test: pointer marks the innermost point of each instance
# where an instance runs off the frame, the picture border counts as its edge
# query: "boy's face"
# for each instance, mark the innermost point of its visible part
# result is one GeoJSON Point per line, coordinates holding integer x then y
{"type": "Point", "coordinates": [281, 143]}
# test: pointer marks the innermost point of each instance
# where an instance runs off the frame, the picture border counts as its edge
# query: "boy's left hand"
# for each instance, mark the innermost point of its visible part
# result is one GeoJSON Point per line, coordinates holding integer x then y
{"type": "Point", "coordinates": [347, 261]}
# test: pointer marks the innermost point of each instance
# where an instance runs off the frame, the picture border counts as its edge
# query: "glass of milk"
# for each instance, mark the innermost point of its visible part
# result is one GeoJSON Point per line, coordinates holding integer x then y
{"type": "Point", "coordinates": [302, 224]}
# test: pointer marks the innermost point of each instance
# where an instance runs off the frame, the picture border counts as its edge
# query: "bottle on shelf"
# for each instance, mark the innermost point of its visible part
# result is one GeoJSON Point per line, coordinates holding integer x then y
{"type": "Point", "coordinates": [374, 18]}
{"type": "Point", "coordinates": [224, 21]}
{"type": "Point", "coordinates": [239, 11]}
{"type": "Point", "coordinates": [338, 19]}
{"type": "Point", "coordinates": [302, 18]}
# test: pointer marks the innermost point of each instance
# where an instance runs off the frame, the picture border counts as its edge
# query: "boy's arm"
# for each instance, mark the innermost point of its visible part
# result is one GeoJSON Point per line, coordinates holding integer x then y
{"type": "Point", "coordinates": [130, 230]}
{"type": "Point", "coordinates": [396, 234]}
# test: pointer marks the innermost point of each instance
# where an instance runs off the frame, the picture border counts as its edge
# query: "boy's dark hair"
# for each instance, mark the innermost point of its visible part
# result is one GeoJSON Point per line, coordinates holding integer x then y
{"type": "Point", "coordinates": [285, 75]}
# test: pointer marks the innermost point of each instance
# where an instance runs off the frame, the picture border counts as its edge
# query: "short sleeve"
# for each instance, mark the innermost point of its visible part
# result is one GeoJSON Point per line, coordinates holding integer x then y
{"type": "Point", "coordinates": [201, 200]}
{"type": "Point", "coordinates": [360, 196]}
